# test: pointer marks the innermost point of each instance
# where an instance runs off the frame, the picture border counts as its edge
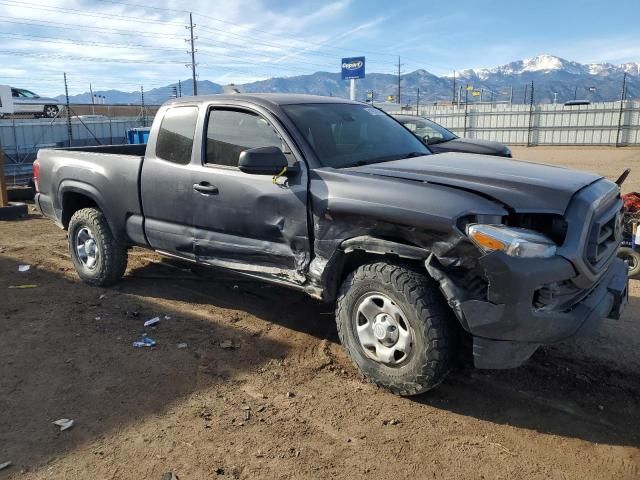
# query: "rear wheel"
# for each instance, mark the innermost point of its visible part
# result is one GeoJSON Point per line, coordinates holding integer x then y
{"type": "Point", "coordinates": [396, 327]}
{"type": "Point", "coordinates": [50, 111]}
{"type": "Point", "coordinates": [632, 259]}
{"type": "Point", "coordinates": [97, 257]}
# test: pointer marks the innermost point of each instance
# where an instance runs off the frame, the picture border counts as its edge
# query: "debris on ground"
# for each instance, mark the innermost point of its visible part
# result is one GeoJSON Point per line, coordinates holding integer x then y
{"type": "Point", "coordinates": [64, 424]}
{"type": "Point", "coordinates": [102, 297]}
{"type": "Point", "coordinates": [393, 421]}
{"type": "Point", "coordinates": [167, 317]}
{"type": "Point", "coordinates": [4, 465]}
{"type": "Point", "coordinates": [24, 268]}
{"type": "Point", "coordinates": [169, 476]}
{"type": "Point", "coordinates": [152, 322]}
{"type": "Point", "coordinates": [144, 341]}
{"type": "Point", "coordinates": [227, 345]}
{"type": "Point", "coordinates": [261, 408]}
{"type": "Point", "coordinates": [290, 394]}
{"type": "Point", "coordinates": [182, 345]}
{"type": "Point", "coordinates": [22, 286]}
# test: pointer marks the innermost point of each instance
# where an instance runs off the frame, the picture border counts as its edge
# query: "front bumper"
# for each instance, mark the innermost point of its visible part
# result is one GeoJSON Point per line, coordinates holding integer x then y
{"type": "Point", "coordinates": [508, 326]}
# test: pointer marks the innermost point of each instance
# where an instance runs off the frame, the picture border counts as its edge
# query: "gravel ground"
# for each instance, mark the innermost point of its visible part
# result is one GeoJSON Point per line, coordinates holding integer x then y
{"type": "Point", "coordinates": [263, 389]}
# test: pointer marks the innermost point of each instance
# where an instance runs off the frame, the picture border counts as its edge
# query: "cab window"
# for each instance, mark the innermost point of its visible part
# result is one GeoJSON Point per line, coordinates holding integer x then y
{"type": "Point", "coordinates": [230, 132]}
{"type": "Point", "coordinates": [175, 137]}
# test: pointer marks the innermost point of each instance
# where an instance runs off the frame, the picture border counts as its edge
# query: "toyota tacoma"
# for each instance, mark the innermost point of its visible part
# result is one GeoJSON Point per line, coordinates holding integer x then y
{"type": "Point", "coordinates": [339, 200]}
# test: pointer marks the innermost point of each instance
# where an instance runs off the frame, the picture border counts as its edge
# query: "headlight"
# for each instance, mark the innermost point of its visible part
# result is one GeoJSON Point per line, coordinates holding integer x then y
{"type": "Point", "coordinates": [516, 242]}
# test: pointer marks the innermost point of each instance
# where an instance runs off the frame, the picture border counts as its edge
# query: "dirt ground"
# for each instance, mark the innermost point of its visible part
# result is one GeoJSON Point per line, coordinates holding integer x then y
{"type": "Point", "coordinates": [264, 390]}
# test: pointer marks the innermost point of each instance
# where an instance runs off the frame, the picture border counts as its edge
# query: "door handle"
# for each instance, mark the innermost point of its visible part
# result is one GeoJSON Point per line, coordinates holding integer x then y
{"type": "Point", "coordinates": [206, 188]}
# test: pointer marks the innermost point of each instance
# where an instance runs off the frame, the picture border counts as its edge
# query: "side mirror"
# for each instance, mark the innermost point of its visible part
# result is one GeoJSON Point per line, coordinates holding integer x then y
{"type": "Point", "coordinates": [262, 161]}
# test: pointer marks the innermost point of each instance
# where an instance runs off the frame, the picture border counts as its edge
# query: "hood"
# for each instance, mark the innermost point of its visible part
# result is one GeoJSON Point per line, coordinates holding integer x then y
{"type": "Point", "coordinates": [521, 186]}
{"type": "Point", "coordinates": [469, 145]}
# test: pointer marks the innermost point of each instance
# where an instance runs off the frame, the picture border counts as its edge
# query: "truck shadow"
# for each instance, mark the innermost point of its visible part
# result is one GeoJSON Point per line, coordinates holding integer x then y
{"type": "Point", "coordinates": [67, 353]}
{"type": "Point", "coordinates": [560, 391]}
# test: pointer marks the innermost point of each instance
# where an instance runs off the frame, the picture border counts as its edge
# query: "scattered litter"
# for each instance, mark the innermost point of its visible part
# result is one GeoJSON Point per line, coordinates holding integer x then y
{"type": "Point", "coordinates": [290, 394]}
{"type": "Point", "coordinates": [261, 408]}
{"type": "Point", "coordinates": [144, 341]}
{"type": "Point", "coordinates": [98, 318]}
{"type": "Point", "coordinates": [24, 268]}
{"type": "Point", "coordinates": [227, 345]}
{"type": "Point", "coordinates": [169, 476]}
{"type": "Point", "coordinates": [64, 424]}
{"type": "Point", "coordinates": [4, 465]}
{"type": "Point", "coordinates": [152, 322]}
{"type": "Point", "coordinates": [182, 345]}
{"type": "Point", "coordinates": [391, 422]}
{"type": "Point", "coordinates": [167, 317]}
{"type": "Point", "coordinates": [247, 415]}
{"type": "Point", "coordinates": [246, 407]}
{"type": "Point", "coordinates": [103, 296]}
{"type": "Point", "coordinates": [22, 286]}
{"type": "Point", "coordinates": [600, 407]}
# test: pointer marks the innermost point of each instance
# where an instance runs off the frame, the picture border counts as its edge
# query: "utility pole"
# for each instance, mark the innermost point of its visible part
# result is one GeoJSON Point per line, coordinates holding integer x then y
{"type": "Point", "coordinates": [193, 54]}
{"type": "Point", "coordinates": [66, 95]}
{"type": "Point", "coordinates": [525, 94]}
{"type": "Point", "coordinates": [459, 95]}
{"type": "Point", "coordinates": [511, 96]}
{"type": "Point", "coordinates": [179, 88]}
{"type": "Point", "coordinates": [93, 108]}
{"type": "Point", "coordinates": [530, 129]}
{"type": "Point", "coordinates": [453, 94]}
{"type": "Point", "coordinates": [418, 102]}
{"type": "Point", "coordinates": [399, 102]}
{"type": "Point", "coordinates": [143, 111]}
{"type": "Point", "coordinates": [621, 111]}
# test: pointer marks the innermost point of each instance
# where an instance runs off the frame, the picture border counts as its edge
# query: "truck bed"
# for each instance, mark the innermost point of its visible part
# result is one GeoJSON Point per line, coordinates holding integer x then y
{"type": "Point", "coordinates": [134, 150]}
{"type": "Point", "coordinates": [108, 174]}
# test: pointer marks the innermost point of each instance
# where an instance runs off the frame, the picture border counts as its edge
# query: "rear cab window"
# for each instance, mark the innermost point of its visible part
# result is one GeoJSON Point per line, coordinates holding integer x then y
{"type": "Point", "coordinates": [175, 137]}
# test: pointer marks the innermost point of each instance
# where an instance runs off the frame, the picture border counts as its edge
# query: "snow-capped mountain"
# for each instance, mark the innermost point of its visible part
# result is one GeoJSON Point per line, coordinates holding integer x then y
{"type": "Point", "coordinates": [554, 78]}
{"type": "Point", "coordinates": [549, 64]}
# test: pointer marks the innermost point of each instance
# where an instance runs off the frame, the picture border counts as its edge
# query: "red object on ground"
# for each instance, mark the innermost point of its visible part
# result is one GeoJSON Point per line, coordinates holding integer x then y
{"type": "Point", "coordinates": [631, 202]}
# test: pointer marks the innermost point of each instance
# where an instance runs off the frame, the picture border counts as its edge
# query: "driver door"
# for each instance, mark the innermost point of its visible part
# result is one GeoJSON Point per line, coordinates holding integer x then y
{"type": "Point", "coordinates": [244, 221]}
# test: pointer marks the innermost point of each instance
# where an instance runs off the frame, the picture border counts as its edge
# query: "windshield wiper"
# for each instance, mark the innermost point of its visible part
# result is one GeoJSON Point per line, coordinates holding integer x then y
{"type": "Point", "coordinates": [413, 155]}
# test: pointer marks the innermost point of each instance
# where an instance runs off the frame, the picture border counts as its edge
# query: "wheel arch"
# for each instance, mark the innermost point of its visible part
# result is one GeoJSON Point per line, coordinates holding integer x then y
{"type": "Point", "coordinates": [356, 251]}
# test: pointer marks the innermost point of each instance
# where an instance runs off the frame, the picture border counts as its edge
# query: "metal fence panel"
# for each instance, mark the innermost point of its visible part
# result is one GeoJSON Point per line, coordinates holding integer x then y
{"type": "Point", "coordinates": [544, 124]}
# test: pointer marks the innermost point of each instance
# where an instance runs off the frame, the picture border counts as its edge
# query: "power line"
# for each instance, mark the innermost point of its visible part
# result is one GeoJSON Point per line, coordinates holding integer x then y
{"type": "Point", "coordinates": [35, 6]}
{"type": "Point", "coordinates": [88, 59]}
{"type": "Point", "coordinates": [35, 23]}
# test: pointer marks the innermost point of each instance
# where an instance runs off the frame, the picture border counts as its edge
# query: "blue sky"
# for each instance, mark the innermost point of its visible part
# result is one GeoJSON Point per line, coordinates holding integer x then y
{"type": "Point", "coordinates": [122, 44]}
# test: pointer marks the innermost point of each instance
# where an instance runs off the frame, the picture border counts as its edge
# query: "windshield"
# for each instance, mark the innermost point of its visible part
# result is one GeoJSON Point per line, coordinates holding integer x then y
{"type": "Point", "coordinates": [347, 134]}
{"type": "Point", "coordinates": [427, 130]}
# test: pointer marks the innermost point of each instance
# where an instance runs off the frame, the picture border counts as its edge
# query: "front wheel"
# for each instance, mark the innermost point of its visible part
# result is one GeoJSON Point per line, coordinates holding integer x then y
{"type": "Point", "coordinates": [396, 327]}
{"type": "Point", "coordinates": [632, 259]}
{"type": "Point", "coordinates": [97, 257]}
{"type": "Point", "coordinates": [50, 111]}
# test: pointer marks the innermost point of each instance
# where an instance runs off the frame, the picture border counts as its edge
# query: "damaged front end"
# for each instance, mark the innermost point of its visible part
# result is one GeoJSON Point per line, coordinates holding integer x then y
{"type": "Point", "coordinates": [513, 304]}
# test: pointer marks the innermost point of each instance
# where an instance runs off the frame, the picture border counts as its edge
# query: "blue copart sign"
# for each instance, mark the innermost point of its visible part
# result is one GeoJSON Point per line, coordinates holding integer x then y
{"type": "Point", "coordinates": [352, 68]}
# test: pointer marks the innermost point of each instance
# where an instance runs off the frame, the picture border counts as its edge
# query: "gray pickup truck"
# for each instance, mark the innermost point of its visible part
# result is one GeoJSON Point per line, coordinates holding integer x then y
{"type": "Point", "coordinates": [339, 200]}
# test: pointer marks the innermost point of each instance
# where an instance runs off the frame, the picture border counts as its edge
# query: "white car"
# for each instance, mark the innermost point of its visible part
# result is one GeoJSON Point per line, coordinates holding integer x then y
{"type": "Point", "coordinates": [27, 102]}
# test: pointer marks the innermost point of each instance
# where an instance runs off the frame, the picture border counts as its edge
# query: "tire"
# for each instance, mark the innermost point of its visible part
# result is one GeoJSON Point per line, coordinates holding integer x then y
{"type": "Point", "coordinates": [423, 313]}
{"type": "Point", "coordinates": [632, 259]}
{"type": "Point", "coordinates": [90, 238]}
{"type": "Point", "coordinates": [50, 111]}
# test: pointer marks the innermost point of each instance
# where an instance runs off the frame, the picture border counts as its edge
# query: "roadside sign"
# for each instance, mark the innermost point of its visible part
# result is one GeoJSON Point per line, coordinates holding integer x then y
{"type": "Point", "coordinates": [469, 87]}
{"type": "Point", "coordinates": [475, 93]}
{"type": "Point", "coordinates": [352, 68]}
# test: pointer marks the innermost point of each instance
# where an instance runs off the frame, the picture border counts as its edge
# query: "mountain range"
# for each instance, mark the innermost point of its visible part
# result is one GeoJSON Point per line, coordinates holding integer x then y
{"type": "Point", "coordinates": [554, 79]}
